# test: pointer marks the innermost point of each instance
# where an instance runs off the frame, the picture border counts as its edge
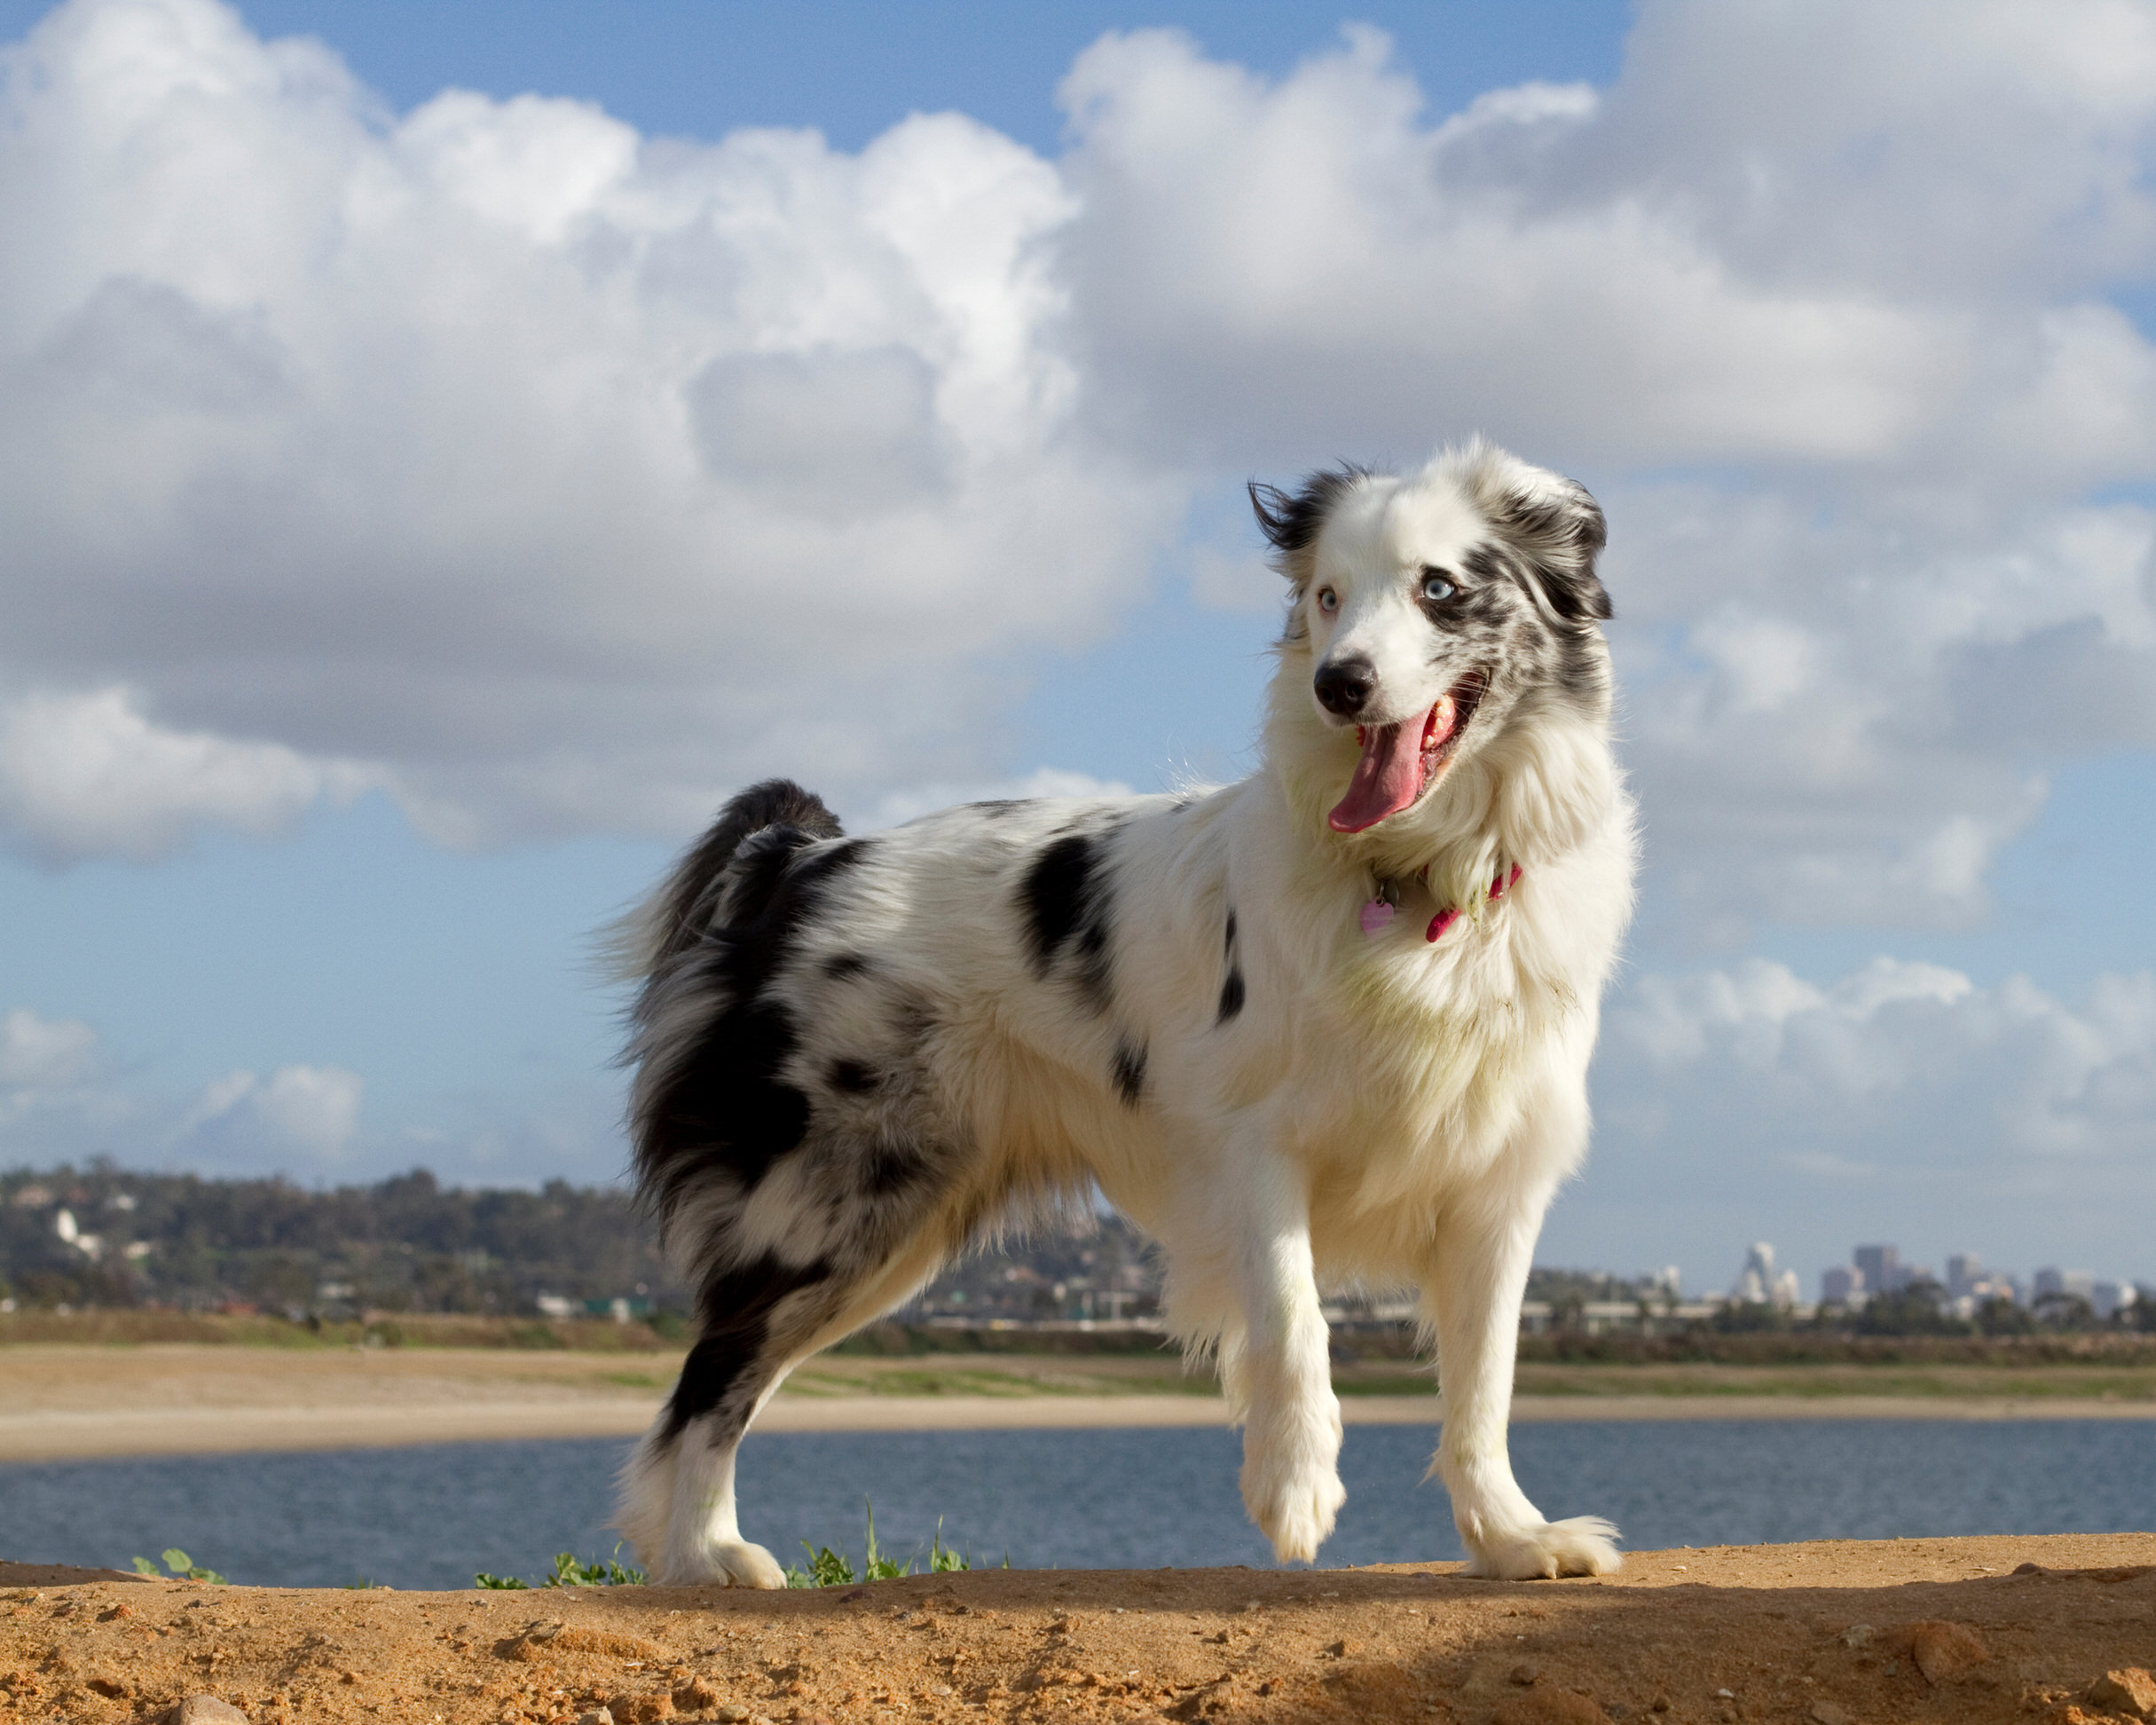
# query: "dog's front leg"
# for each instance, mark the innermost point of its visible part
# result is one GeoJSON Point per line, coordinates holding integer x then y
{"type": "Point", "coordinates": [1472, 1296]}
{"type": "Point", "coordinates": [1277, 1373]}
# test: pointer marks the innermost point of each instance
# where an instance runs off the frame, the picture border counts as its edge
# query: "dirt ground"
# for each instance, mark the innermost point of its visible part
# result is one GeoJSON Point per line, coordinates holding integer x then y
{"type": "Point", "coordinates": [1949, 1630]}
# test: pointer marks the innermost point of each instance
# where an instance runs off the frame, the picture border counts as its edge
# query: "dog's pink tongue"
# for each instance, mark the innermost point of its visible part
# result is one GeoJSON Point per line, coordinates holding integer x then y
{"type": "Point", "coordinates": [1387, 778]}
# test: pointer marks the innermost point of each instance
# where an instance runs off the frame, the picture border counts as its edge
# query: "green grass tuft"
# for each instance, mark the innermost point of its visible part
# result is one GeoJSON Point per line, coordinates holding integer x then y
{"type": "Point", "coordinates": [568, 1572]}
{"type": "Point", "coordinates": [183, 1567]}
{"type": "Point", "coordinates": [827, 1568]}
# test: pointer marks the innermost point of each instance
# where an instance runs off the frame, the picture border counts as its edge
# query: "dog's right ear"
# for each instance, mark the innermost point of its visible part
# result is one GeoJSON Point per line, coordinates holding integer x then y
{"type": "Point", "coordinates": [1550, 517]}
{"type": "Point", "coordinates": [1291, 524]}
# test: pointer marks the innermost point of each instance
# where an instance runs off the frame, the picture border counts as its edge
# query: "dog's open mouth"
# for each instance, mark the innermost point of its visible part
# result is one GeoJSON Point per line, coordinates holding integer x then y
{"type": "Point", "coordinates": [1400, 762]}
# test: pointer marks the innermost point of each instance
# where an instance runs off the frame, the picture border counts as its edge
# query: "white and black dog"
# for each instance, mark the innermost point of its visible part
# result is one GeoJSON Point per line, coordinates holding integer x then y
{"type": "Point", "coordinates": [1328, 1025]}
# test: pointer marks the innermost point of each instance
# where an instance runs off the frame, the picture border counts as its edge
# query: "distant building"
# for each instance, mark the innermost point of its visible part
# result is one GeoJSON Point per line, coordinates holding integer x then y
{"type": "Point", "coordinates": [2109, 1299]}
{"type": "Point", "coordinates": [1755, 1282]}
{"type": "Point", "coordinates": [1841, 1286]}
{"type": "Point", "coordinates": [1965, 1271]}
{"type": "Point", "coordinates": [1882, 1268]}
{"type": "Point", "coordinates": [2081, 1284]}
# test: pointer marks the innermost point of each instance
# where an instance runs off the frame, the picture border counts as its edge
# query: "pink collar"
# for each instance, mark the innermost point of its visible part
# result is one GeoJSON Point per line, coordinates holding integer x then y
{"type": "Point", "coordinates": [1380, 911]}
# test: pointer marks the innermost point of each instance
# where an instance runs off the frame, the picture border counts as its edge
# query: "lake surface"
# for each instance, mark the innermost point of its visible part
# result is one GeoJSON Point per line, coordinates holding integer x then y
{"type": "Point", "coordinates": [428, 1517]}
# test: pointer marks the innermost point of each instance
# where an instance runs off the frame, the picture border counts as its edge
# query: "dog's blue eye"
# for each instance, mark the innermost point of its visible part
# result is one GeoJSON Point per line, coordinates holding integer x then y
{"type": "Point", "coordinates": [1435, 587]}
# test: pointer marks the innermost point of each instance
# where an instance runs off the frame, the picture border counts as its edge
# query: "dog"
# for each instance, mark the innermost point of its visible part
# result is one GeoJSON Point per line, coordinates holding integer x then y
{"type": "Point", "coordinates": [1329, 1026]}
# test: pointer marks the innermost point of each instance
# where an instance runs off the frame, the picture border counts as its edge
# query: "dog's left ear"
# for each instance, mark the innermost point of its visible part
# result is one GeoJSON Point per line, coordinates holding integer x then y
{"type": "Point", "coordinates": [1555, 524]}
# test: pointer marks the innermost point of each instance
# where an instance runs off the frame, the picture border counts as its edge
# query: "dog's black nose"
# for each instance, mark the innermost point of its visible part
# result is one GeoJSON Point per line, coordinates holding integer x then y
{"type": "Point", "coordinates": [1344, 686]}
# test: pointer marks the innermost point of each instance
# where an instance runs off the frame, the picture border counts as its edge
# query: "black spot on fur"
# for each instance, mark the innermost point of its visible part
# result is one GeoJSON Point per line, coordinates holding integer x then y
{"type": "Point", "coordinates": [1292, 523]}
{"type": "Point", "coordinates": [736, 1307]}
{"type": "Point", "coordinates": [720, 1105]}
{"type": "Point", "coordinates": [1129, 1073]}
{"type": "Point", "coordinates": [1231, 996]}
{"type": "Point", "coordinates": [1230, 942]}
{"type": "Point", "coordinates": [1065, 902]}
{"type": "Point", "coordinates": [852, 1077]}
{"type": "Point", "coordinates": [998, 808]}
{"type": "Point", "coordinates": [1054, 894]}
{"type": "Point", "coordinates": [840, 965]}
{"type": "Point", "coordinates": [889, 1167]}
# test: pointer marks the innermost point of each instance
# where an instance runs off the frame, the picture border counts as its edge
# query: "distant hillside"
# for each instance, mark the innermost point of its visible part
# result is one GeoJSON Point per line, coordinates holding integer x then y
{"type": "Point", "coordinates": [103, 1236]}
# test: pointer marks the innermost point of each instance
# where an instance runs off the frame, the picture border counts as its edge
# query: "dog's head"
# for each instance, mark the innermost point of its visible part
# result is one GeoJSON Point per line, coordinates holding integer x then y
{"type": "Point", "coordinates": [1431, 612]}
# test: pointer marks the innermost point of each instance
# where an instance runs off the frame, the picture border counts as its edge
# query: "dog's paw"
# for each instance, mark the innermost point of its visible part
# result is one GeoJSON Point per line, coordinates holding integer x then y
{"type": "Point", "coordinates": [729, 1563]}
{"type": "Point", "coordinates": [1584, 1545]}
{"type": "Point", "coordinates": [1295, 1510]}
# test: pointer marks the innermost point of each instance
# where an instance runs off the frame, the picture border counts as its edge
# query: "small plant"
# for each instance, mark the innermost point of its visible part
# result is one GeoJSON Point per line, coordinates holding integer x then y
{"type": "Point", "coordinates": [827, 1568]}
{"type": "Point", "coordinates": [608, 1572]}
{"type": "Point", "coordinates": [183, 1567]}
{"type": "Point", "coordinates": [568, 1572]}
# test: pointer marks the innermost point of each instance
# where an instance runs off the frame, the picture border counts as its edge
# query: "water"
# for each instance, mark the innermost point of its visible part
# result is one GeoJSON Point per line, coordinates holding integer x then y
{"type": "Point", "coordinates": [428, 1517]}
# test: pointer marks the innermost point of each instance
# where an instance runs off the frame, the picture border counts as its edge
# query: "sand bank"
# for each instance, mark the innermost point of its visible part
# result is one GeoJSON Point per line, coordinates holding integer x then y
{"type": "Point", "coordinates": [63, 1403]}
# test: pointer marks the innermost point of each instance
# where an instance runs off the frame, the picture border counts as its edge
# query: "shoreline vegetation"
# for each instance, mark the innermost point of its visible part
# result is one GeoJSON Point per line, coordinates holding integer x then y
{"type": "Point", "coordinates": [1383, 1359]}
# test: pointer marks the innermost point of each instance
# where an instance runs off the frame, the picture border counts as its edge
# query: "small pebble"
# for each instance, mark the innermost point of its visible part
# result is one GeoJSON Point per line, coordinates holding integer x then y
{"type": "Point", "coordinates": [206, 1710]}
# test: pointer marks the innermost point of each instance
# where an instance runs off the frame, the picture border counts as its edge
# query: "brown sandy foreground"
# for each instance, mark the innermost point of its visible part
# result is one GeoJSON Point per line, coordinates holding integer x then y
{"type": "Point", "coordinates": [1961, 1630]}
{"type": "Point", "coordinates": [61, 1402]}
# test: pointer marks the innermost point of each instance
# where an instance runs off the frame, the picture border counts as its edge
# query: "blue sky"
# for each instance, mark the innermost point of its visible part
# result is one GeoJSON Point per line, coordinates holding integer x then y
{"type": "Point", "coordinates": [391, 591]}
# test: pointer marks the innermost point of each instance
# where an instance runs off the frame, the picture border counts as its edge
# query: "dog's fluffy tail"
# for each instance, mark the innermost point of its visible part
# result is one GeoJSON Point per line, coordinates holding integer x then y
{"type": "Point", "coordinates": [671, 919]}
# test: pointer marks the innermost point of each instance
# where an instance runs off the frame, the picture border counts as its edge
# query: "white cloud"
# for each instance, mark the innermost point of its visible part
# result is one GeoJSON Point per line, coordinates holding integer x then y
{"type": "Point", "coordinates": [560, 477]}
{"type": "Point", "coordinates": [309, 1111]}
{"type": "Point", "coordinates": [1901, 1100]}
{"type": "Point", "coordinates": [563, 480]}
{"type": "Point", "coordinates": [40, 1054]}
{"type": "Point", "coordinates": [1907, 1064]}
{"type": "Point", "coordinates": [88, 775]}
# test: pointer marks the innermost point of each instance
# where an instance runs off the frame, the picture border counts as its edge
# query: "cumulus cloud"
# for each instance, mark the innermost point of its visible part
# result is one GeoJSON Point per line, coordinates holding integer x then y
{"type": "Point", "coordinates": [559, 479]}
{"type": "Point", "coordinates": [88, 775]}
{"type": "Point", "coordinates": [1903, 1098]}
{"type": "Point", "coordinates": [311, 1111]}
{"type": "Point", "coordinates": [41, 1054]}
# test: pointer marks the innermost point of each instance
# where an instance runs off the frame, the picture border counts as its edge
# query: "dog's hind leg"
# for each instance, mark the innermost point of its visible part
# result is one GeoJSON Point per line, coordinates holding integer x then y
{"type": "Point", "coordinates": [677, 1505]}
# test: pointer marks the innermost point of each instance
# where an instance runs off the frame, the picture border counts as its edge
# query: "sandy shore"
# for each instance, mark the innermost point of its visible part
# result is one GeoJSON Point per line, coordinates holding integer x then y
{"type": "Point", "coordinates": [205, 1431]}
{"type": "Point", "coordinates": [62, 1404]}
{"type": "Point", "coordinates": [1962, 1632]}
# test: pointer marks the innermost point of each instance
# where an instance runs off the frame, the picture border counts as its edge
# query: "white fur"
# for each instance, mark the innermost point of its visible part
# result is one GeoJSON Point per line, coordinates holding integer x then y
{"type": "Point", "coordinates": [1382, 1111]}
